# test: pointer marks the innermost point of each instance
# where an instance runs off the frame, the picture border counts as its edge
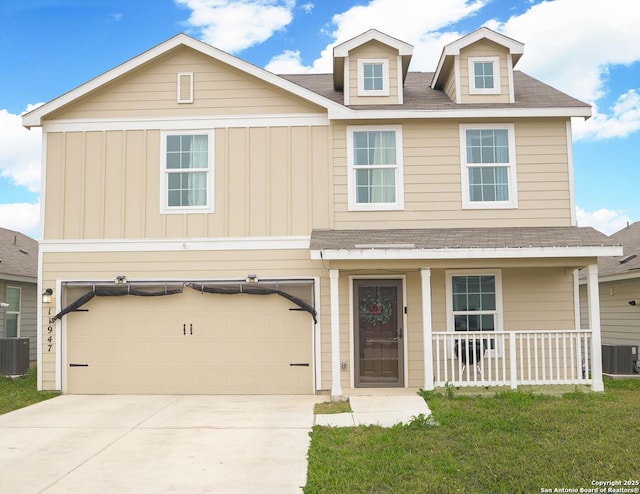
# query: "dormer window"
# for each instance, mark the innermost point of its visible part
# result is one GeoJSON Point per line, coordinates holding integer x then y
{"type": "Point", "coordinates": [484, 75]}
{"type": "Point", "coordinates": [373, 77]}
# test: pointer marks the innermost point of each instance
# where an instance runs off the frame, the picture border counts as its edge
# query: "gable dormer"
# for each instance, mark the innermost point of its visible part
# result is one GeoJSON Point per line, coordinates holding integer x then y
{"type": "Point", "coordinates": [478, 68]}
{"type": "Point", "coordinates": [370, 69]}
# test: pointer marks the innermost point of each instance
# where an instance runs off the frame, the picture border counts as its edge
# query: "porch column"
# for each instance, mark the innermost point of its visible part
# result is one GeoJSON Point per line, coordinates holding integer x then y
{"type": "Point", "coordinates": [336, 388]}
{"type": "Point", "coordinates": [594, 325]}
{"type": "Point", "coordinates": [427, 344]}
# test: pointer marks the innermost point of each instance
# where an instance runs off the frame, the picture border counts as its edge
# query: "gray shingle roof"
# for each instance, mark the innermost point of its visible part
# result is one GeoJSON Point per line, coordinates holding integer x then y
{"type": "Point", "coordinates": [629, 237]}
{"type": "Point", "coordinates": [418, 95]}
{"type": "Point", "coordinates": [461, 238]}
{"type": "Point", "coordinates": [18, 254]}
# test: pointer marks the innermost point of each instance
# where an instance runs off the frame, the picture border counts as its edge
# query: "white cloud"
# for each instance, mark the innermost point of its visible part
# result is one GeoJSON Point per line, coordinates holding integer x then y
{"type": "Point", "coordinates": [606, 220]}
{"type": "Point", "coordinates": [569, 44]}
{"type": "Point", "coordinates": [419, 29]}
{"type": "Point", "coordinates": [20, 151]}
{"type": "Point", "coordinates": [233, 25]}
{"type": "Point", "coordinates": [622, 120]}
{"type": "Point", "coordinates": [21, 217]}
{"type": "Point", "coordinates": [572, 44]}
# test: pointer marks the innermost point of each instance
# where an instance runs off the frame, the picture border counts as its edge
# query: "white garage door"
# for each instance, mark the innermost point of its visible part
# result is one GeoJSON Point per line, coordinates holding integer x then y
{"type": "Point", "coordinates": [189, 343]}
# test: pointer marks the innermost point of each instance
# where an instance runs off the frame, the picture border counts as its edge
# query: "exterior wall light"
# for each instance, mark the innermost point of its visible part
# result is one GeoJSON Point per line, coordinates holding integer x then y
{"type": "Point", "coordinates": [46, 296]}
{"type": "Point", "coordinates": [120, 280]}
{"type": "Point", "coordinates": [252, 278]}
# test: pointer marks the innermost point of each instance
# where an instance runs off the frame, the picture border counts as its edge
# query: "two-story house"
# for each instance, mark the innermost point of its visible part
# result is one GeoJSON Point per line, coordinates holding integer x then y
{"type": "Point", "coordinates": [210, 227]}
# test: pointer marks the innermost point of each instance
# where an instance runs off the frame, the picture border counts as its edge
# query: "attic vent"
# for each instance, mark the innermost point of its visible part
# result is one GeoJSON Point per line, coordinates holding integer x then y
{"type": "Point", "coordinates": [185, 87]}
{"type": "Point", "coordinates": [627, 259]}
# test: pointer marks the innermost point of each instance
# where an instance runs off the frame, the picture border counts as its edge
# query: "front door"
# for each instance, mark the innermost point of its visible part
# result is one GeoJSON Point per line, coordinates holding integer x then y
{"type": "Point", "coordinates": [378, 318]}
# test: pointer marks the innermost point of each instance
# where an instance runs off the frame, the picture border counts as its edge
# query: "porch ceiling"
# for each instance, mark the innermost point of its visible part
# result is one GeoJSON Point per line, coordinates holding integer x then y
{"type": "Point", "coordinates": [462, 243]}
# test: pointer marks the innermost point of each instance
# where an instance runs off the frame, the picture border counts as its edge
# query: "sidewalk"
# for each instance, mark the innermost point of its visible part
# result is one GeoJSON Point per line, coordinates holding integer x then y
{"type": "Point", "coordinates": [385, 411]}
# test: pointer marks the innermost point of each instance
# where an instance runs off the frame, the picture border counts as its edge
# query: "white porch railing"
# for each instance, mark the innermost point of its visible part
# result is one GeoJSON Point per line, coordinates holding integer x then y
{"type": "Point", "coordinates": [511, 358]}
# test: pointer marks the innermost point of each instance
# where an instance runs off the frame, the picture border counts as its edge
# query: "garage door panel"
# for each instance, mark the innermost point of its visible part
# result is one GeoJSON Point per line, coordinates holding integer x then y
{"type": "Point", "coordinates": [233, 345]}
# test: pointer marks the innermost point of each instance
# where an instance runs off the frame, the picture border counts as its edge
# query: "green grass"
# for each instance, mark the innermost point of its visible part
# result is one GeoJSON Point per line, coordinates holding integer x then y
{"type": "Point", "coordinates": [330, 407]}
{"type": "Point", "coordinates": [512, 442]}
{"type": "Point", "coordinates": [21, 392]}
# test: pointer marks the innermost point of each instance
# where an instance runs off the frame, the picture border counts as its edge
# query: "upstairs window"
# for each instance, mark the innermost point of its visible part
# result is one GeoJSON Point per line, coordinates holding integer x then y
{"type": "Point", "coordinates": [484, 75]}
{"type": "Point", "coordinates": [488, 166]}
{"type": "Point", "coordinates": [187, 173]}
{"type": "Point", "coordinates": [375, 168]}
{"type": "Point", "coordinates": [373, 77]}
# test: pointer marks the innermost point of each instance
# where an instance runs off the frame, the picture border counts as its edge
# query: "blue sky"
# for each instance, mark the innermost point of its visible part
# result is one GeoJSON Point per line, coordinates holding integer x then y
{"type": "Point", "coordinates": [587, 48]}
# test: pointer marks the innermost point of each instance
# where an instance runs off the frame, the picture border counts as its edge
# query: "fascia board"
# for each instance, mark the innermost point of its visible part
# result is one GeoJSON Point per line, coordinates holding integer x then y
{"type": "Point", "coordinates": [172, 245]}
{"type": "Point", "coordinates": [34, 118]}
{"type": "Point", "coordinates": [18, 278]}
{"type": "Point", "coordinates": [634, 275]}
{"type": "Point", "coordinates": [342, 113]}
{"type": "Point", "coordinates": [478, 253]}
{"type": "Point", "coordinates": [343, 49]}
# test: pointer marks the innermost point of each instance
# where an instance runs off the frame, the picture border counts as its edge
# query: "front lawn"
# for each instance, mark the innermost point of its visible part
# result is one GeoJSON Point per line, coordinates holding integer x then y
{"type": "Point", "coordinates": [21, 392]}
{"type": "Point", "coordinates": [512, 442]}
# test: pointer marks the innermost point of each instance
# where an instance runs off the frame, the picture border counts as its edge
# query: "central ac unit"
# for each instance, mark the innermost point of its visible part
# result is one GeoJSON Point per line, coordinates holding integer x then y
{"type": "Point", "coordinates": [619, 359]}
{"type": "Point", "coordinates": [14, 356]}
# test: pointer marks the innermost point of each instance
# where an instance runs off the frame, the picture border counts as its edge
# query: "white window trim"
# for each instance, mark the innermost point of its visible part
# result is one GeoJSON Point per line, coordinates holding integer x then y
{"type": "Point", "coordinates": [496, 89]}
{"type": "Point", "coordinates": [13, 312]}
{"type": "Point", "coordinates": [512, 203]}
{"type": "Point", "coordinates": [499, 317]}
{"type": "Point", "coordinates": [385, 77]}
{"type": "Point", "coordinates": [351, 181]}
{"type": "Point", "coordinates": [164, 207]}
{"type": "Point", "coordinates": [182, 75]}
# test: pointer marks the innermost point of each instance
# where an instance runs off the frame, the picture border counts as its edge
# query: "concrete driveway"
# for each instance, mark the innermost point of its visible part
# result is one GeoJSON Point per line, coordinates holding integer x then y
{"type": "Point", "coordinates": [157, 444]}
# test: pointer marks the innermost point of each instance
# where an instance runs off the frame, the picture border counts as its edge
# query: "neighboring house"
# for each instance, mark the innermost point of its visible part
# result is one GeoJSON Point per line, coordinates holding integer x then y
{"type": "Point", "coordinates": [313, 233]}
{"type": "Point", "coordinates": [619, 291]}
{"type": "Point", "coordinates": [18, 287]}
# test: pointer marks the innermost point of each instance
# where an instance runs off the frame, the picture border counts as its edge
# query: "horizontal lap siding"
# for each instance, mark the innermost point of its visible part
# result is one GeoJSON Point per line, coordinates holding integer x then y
{"type": "Point", "coordinates": [268, 181]}
{"type": "Point", "coordinates": [151, 91]}
{"type": "Point", "coordinates": [619, 321]}
{"type": "Point", "coordinates": [432, 179]}
{"type": "Point", "coordinates": [538, 298]}
{"type": "Point", "coordinates": [482, 49]}
{"type": "Point", "coordinates": [373, 50]}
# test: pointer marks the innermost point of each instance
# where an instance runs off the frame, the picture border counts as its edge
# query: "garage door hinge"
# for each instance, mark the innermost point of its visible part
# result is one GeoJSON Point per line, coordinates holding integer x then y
{"type": "Point", "coordinates": [299, 365]}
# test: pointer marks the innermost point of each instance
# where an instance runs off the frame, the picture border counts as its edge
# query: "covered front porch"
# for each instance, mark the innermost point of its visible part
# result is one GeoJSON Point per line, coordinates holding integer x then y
{"type": "Point", "coordinates": [491, 307]}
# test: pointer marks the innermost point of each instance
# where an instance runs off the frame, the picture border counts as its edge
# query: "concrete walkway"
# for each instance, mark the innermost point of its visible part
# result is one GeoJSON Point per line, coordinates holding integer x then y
{"type": "Point", "coordinates": [385, 411]}
{"type": "Point", "coordinates": [174, 444]}
{"type": "Point", "coordinates": [157, 444]}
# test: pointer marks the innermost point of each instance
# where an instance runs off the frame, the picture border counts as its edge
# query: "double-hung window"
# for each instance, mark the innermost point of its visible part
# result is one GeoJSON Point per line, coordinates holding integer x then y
{"type": "Point", "coordinates": [375, 168]}
{"type": "Point", "coordinates": [373, 77]}
{"type": "Point", "coordinates": [488, 166]}
{"type": "Point", "coordinates": [187, 172]}
{"type": "Point", "coordinates": [12, 317]}
{"type": "Point", "coordinates": [474, 302]}
{"type": "Point", "coordinates": [484, 75]}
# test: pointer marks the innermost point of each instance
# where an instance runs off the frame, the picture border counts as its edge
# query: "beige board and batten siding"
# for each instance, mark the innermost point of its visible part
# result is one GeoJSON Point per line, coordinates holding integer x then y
{"type": "Point", "coordinates": [619, 321]}
{"type": "Point", "coordinates": [267, 181]}
{"type": "Point", "coordinates": [376, 51]}
{"type": "Point", "coordinates": [484, 48]}
{"type": "Point", "coordinates": [178, 265]}
{"type": "Point", "coordinates": [432, 178]}
{"type": "Point", "coordinates": [152, 91]}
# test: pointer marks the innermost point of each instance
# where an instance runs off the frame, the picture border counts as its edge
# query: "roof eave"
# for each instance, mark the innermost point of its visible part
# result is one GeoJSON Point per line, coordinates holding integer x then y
{"type": "Point", "coordinates": [342, 113]}
{"type": "Point", "coordinates": [465, 253]}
